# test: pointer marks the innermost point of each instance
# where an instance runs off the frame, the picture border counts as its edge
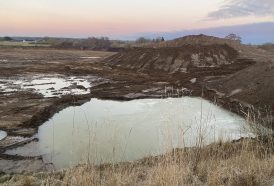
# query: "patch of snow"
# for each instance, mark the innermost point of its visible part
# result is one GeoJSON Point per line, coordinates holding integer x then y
{"type": "Point", "coordinates": [3, 134]}
{"type": "Point", "coordinates": [134, 95]}
{"type": "Point", "coordinates": [11, 140]}
{"type": "Point", "coordinates": [195, 58]}
{"type": "Point", "coordinates": [151, 90]}
{"type": "Point", "coordinates": [207, 66]}
{"type": "Point", "coordinates": [3, 60]}
{"type": "Point", "coordinates": [89, 57]}
{"type": "Point", "coordinates": [161, 83]}
{"type": "Point", "coordinates": [184, 70]}
{"type": "Point", "coordinates": [47, 86]}
{"type": "Point", "coordinates": [234, 92]}
{"type": "Point", "coordinates": [194, 80]}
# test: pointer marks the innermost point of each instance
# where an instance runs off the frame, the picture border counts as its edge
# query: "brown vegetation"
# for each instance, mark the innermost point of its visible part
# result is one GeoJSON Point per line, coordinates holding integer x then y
{"type": "Point", "coordinates": [268, 47]}
{"type": "Point", "coordinates": [243, 162]}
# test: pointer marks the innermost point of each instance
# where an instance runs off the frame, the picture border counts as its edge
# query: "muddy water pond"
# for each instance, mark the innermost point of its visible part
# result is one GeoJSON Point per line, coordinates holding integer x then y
{"type": "Point", "coordinates": [104, 131]}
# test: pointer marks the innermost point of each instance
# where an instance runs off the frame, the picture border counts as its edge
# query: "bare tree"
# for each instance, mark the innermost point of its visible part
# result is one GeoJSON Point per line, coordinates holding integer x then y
{"type": "Point", "coordinates": [6, 38]}
{"type": "Point", "coordinates": [142, 40]}
{"type": "Point", "coordinates": [234, 37]}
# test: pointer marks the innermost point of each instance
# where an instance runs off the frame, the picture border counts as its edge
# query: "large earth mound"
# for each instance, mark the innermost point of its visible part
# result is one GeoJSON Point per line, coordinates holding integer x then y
{"type": "Point", "coordinates": [174, 59]}
{"type": "Point", "coordinates": [245, 51]}
{"type": "Point", "coordinates": [197, 40]}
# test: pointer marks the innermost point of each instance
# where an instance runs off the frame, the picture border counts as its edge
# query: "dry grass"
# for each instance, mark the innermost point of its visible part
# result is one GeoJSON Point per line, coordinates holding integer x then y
{"type": "Point", "coordinates": [248, 161]}
{"type": "Point", "coordinates": [243, 162]}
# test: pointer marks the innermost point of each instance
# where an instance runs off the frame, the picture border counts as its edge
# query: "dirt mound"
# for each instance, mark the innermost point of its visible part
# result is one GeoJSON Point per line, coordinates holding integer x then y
{"type": "Point", "coordinates": [245, 51]}
{"type": "Point", "coordinates": [174, 59]}
{"type": "Point", "coordinates": [198, 40]}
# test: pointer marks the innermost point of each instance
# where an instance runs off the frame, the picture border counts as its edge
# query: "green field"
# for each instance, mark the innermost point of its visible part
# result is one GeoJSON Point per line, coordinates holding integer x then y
{"type": "Point", "coordinates": [22, 44]}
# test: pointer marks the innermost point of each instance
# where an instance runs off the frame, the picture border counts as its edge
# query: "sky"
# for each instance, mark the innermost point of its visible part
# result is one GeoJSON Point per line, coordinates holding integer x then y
{"type": "Point", "coordinates": [121, 18]}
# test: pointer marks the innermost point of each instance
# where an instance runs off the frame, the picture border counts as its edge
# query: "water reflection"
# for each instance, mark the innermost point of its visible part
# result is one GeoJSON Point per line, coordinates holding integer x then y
{"type": "Point", "coordinates": [111, 131]}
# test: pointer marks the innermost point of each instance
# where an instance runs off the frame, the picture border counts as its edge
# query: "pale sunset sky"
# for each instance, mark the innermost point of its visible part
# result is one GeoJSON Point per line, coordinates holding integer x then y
{"type": "Point", "coordinates": [83, 18]}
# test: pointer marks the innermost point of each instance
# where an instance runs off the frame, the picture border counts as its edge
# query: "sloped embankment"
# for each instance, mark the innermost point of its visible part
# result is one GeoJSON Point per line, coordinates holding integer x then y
{"type": "Point", "coordinates": [251, 86]}
{"type": "Point", "coordinates": [237, 74]}
{"type": "Point", "coordinates": [174, 59]}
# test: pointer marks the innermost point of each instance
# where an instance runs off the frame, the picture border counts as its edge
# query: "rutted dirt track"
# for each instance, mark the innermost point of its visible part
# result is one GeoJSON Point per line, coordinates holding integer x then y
{"type": "Point", "coordinates": [228, 73]}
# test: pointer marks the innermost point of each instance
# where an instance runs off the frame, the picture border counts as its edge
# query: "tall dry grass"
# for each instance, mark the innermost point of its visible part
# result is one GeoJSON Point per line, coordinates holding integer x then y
{"type": "Point", "coordinates": [243, 162]}
{"type": "Point", "coordinates": [247, 161]}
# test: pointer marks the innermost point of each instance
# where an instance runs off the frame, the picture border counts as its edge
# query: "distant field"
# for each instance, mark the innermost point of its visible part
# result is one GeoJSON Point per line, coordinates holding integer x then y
{"type": "Point", "coordinates": [23, 44]}
{"type": "Point", "coordinates": [269, 47]}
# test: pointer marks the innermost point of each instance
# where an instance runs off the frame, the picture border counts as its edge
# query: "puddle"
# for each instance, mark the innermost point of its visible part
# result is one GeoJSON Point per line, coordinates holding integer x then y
{"type": "Point", "coordinates": [48, 86]}
{"type": "Point", "coordinates": [110, 131]}
{"type": "Point", "coordinates": [3, 60]}
{"type": "Point", "coordinates": [89, 57]}
{"type": "Point", "coordinates": [3, 134]}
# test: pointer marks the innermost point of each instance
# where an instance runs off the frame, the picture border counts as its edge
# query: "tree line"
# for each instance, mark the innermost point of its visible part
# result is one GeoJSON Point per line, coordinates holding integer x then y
{"type": "Point", "coordinates": [84, 44]}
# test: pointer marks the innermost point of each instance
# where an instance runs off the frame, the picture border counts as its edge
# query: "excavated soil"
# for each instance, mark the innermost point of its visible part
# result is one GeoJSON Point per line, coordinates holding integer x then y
{"type": "Point", "coordinates": [174, 59]}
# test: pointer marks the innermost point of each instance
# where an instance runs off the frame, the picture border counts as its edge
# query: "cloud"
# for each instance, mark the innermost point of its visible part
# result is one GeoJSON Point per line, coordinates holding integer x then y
{"type": "Point", "coordinates": [243, 8]}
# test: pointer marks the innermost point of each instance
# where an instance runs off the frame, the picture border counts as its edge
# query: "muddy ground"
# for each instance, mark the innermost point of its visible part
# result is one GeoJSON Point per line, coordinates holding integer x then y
{"type": "Point", "coordinates": [241, 78]}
